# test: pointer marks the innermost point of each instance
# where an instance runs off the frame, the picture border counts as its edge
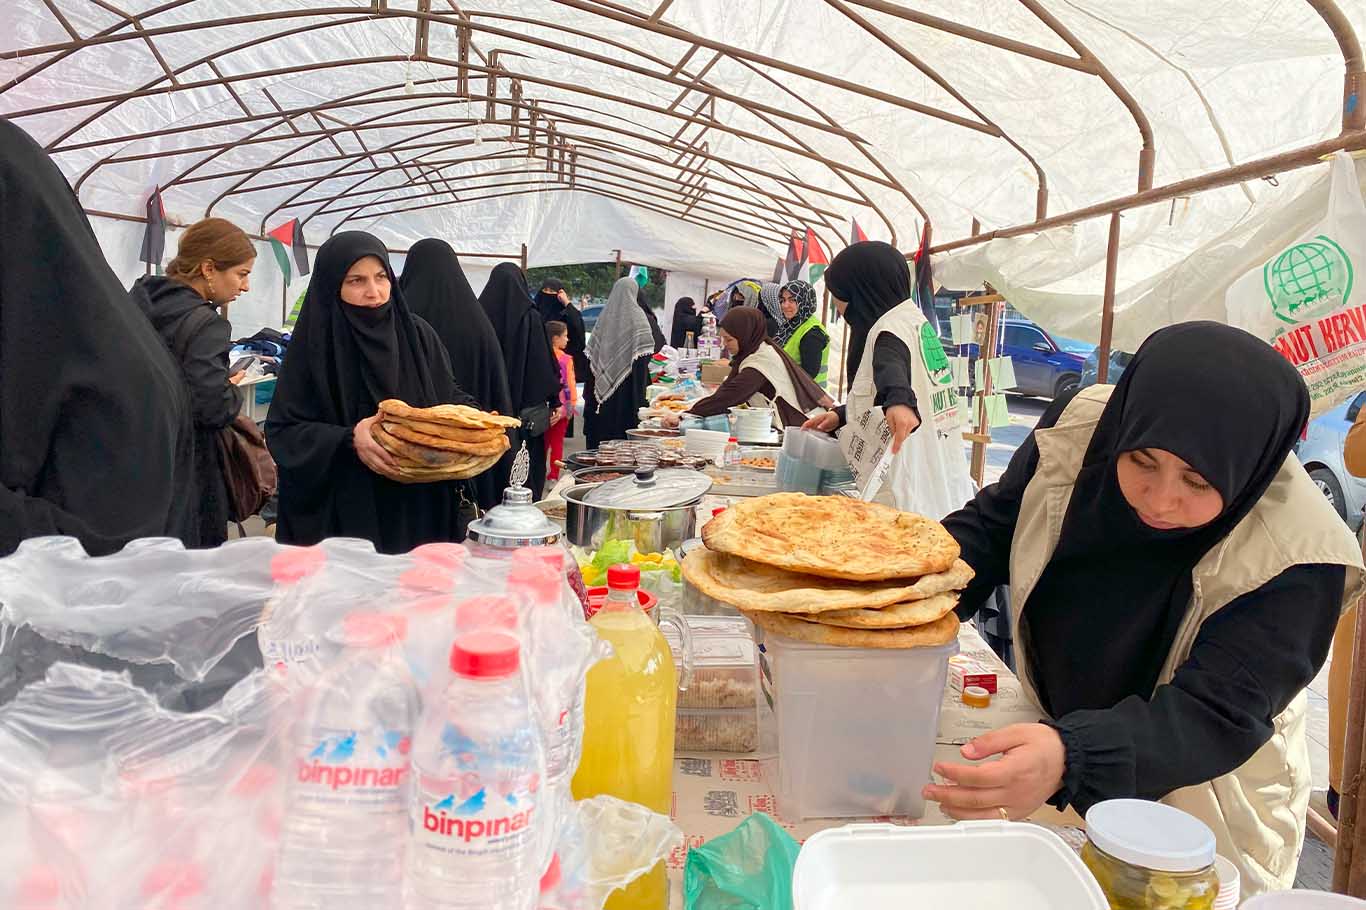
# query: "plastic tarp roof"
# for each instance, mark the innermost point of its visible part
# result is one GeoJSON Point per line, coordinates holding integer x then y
{"type": "Point", "coordinates": [693, 135]}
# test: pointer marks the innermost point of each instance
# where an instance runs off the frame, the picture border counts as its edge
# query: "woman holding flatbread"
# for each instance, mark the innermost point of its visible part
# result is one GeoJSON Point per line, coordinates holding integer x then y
{"type": "Point", "coordinates": [355, 345]}
{"type": "Point", "coordinates": [761, 375]}
{"type": "Point", "coordinates": [900, 379]}
{"type": "Point", "coordinates": [1176, 578]}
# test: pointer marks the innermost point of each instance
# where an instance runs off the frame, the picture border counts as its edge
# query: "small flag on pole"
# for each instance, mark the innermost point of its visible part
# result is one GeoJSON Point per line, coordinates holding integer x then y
{"type": "Point", "coordinates": [154, 236]}
{"type": "Point", "coordinates": [795, 257]}
{"type": "Point", "coordinates": [856, 234]}
{"type": "Point", "coordinates": [640, 274]}
{"type": "Point", "coordinates": [286, 239]}
{"type": "Point", "coordinates": [816, 260]}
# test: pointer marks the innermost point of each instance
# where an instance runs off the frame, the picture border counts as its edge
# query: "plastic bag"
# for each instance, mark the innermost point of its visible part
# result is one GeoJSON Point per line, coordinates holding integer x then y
{"type": "Point", "coordinates": [748, 869]}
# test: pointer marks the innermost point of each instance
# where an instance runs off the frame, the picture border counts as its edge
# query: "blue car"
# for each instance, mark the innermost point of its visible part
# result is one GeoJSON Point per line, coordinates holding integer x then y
{"type": "Point", "coordinates": [591, 314]}
{"type": "Point", "coordinates": [1043, 367]}
{"type": "Point", "coordinates": [1119, 360]}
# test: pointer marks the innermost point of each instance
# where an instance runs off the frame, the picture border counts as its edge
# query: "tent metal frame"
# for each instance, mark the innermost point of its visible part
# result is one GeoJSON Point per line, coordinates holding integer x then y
{"type": "Point", "coordinates": [582, 145]}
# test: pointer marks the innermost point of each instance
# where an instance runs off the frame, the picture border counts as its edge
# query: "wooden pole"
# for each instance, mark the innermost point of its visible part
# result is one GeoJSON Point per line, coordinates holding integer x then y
{"type": "Point", "coordinates": [524, 257]}
{"type": "Point", "coordinates": [618, 274]}
{"type": "Point", "coordinates": [844, 357]}
{"type": "Point", "coordinates": [982, 437]}
{"type": "Point", "coordinates": [1107, 311]}
{"type": "Point", "coordinates": [1349, 873]}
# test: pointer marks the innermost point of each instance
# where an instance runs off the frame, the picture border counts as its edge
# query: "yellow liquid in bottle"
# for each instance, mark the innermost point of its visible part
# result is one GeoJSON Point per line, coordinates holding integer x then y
{"type": "Point", "coordinates": [628, 736]}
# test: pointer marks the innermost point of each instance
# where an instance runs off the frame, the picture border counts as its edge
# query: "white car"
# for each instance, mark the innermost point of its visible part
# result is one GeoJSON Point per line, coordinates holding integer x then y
{"type": "Point", "coordinates": [1321, 454]}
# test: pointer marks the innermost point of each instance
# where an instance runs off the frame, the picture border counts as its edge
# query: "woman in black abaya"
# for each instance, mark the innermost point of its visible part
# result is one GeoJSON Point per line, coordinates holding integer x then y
{"type": "Point", "coordinates": [355, 345]}
{"type": "Point", "coordinates": [686, 319]}
{"type": "Point", "coordinates": [619, 353]}
{"type": "Point", "coordinates": [533, 377]}
{"type": "Point", "coordinates": [437, 290]}
{"type": "Point", "coordinates": [95, 434]}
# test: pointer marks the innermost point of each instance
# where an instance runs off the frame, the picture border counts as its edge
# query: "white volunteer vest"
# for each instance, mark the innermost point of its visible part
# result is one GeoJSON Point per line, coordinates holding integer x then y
{"type": "Point", "coordinates": [930, 475]}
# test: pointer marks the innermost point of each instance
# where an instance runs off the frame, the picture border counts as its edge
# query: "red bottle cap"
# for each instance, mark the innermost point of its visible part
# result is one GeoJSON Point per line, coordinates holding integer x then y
{"type": "Point", "coordinates": [623, 577]}
{"type": "Point", "coordinates": [40, 886]}
{"type": "Point", "coordinates": [486, 655]}
{"type": "Point", "coordinates": [552, 556]}
{"type": "Point", "coordinates": [490, 612]}
{"type": "Point", "coordinates": [715, 512]}
{"type": "Point", "coordinates": [440, 555]}
{"type": "Point", "coordinates": [177, 881]}
{"type": "Point", "coordinates": [295, 564]}
{"type": "Point", "coordinates": [373, 630]}
{"type": "Point", "coordinates": [426, 578]}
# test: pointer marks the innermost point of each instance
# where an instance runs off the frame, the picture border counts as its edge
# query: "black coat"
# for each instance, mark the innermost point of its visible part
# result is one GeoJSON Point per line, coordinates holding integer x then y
{"type": "Point", "coordinates": [198, 338]}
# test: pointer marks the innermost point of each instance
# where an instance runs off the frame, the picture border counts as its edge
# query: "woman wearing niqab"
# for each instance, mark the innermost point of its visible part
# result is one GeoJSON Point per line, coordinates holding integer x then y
{"type": "Point", "coordinates": [619, 352]}
{"type": "Point", "coordinates": [437, 291]}
{"type": "Point", "coordinates": [96, 438]}
{"type": "Point", "coordinates": [533, 377]}
{"type": "Point", "coordinates": [344, 359]}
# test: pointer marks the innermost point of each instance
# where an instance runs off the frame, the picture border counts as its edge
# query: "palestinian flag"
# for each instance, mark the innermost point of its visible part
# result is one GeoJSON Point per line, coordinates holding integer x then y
{"type": "Point", "coordinates": [779, 271]}
{"type": "Point", "coordinates": [640, 274]}
{"type": "Point", "coordinates": [923, 277]}
{"type": "Point", "coordinates": [856, 234]}
{"type": "Point", "coordinates": [795, 257]}
{"type": "Point", "coordinates": [289, 237]}
{"type": "Point", "coordinates": [816, 260]}
{"type": "Point", "coordinates": [154, 236]}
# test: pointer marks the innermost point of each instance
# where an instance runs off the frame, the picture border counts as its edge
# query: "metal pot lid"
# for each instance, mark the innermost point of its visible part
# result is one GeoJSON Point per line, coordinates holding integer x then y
{"type": "Point", "coordinates": [651, 488]}
{"type": "Point", "coordinates": [517, 522]}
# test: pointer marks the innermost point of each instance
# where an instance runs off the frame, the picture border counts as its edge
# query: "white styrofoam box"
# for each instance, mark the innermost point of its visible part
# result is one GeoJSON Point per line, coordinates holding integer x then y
{"type": "Point", "coordinates": [856, 726]}
{"type": "Point", "coordinates": [986, 865]}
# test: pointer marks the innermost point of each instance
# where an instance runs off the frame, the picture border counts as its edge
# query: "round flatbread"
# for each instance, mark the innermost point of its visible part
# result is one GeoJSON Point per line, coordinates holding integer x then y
{"type": "Point", "coordinates": [448, 435]}
{"type": "Point", "coordinates": [755, 586]}
{"type": "Point", "coordinates": [495, 444]}
{"type": "Point", "coordinates": [415, 454]}
{"type": "Point", "coordinates": [897, 616]}
{"type": "Point", "coordinates": [463, 471]}
{"type": "Point", "coordinates": [940, 632]}
{"type": "Point", "coordinates": [456, 415]}
{"type": "Point", "coordinates": [833, 537]}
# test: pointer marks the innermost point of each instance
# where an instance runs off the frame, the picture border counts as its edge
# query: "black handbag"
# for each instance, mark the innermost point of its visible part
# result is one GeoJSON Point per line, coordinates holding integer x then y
{"type": "Point", "coordinates": [535, 420]}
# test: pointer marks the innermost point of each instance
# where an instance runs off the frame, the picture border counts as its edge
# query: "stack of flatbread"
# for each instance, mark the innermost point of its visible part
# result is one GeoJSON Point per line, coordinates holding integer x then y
{"type": "Point", "coordinates": [832, 570]}
{"type": "Point", "coordinates": [446, 442]}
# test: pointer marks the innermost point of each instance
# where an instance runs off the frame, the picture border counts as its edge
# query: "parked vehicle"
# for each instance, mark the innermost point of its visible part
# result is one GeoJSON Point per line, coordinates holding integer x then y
{"type": "Point", "coordinates": [591, 314]}
{"type": "Point", "coordinates": [1042, 366]}
{"type": "Point", "coordinates": [1321, 454]}
{"type": "Point", "coordinates": [1119, 360]}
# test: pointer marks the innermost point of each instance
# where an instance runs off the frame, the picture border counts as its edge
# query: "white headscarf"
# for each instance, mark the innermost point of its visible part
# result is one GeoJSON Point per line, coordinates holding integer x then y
{"type": "Point", "coordinates": [621, 335]}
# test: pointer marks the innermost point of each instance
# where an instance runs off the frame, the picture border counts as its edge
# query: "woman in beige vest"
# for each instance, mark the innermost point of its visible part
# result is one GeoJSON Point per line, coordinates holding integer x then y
{"type": "Point", "coordinates": [1176, 579]}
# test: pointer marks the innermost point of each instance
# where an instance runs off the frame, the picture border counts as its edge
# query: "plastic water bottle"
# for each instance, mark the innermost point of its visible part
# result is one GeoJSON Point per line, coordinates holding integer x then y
{"type": "Point", "coordinates": [731, 457]}
{"type": "Point", "coordinates": [479, 808]}
{"type": "Point", "coordinates": [345, 824]}
{"type": "Point", "coordinates": [284, 645]}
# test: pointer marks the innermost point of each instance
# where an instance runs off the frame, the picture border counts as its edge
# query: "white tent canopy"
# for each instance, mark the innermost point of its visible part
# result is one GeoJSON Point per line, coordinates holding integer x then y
{"type": "Point", "coordinates": [693, 135]}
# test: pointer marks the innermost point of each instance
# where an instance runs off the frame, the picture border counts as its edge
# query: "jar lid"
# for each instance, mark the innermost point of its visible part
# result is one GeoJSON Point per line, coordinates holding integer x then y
{"type": "Point", "coordinates": [651, 488]}
{"type": "Point", "coordinates": [517, 522]}
{"type": "Point", "coordinates": [1151, 835]}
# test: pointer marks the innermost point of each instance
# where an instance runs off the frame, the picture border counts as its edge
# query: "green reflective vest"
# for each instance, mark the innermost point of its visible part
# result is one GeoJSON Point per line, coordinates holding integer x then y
{"type": "Point", "coordinates": [793, 348]}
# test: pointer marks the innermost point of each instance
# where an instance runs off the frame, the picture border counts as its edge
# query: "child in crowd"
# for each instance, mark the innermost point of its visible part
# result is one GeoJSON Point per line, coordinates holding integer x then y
{"type": "Point", "coordinates": [569, 398]}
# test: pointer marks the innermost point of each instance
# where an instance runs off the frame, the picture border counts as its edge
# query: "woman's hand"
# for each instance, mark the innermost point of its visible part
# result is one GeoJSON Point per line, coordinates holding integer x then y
{"type": "Point", "coordinates": [371, 454]}
{"type": "Point", "coordinates": [828, 422]}
{"type": "Point", "coordinates": [672, 421]}
{"type": "Point", "coordinates": [237, 377]}
{"type": "Point", "coordinates": [903, 423]}
{"type": "Point", "coordinates": [1028, 773]}
{"type": "Point", "coordinates": [556, 417]}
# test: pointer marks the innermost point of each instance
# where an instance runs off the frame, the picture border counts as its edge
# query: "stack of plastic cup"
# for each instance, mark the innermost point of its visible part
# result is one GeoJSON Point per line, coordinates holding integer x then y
{"type": "Point", "coordinates": [1230, 884]}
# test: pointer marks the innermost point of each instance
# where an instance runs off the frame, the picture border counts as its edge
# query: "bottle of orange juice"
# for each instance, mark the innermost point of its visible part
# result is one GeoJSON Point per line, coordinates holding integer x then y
{"type": "Point", "coordinates": [628, 737]}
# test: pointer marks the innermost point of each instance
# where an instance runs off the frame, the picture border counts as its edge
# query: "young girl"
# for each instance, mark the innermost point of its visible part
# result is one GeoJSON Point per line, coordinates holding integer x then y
{"type": "Point", "coordinates": [569, 398]}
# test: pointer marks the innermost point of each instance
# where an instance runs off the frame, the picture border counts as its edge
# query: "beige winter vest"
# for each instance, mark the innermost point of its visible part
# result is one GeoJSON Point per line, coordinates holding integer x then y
{"type": "Point", "coordinates": [1257, 812]}
{"type": "Point", "coordinates": [768, 364]}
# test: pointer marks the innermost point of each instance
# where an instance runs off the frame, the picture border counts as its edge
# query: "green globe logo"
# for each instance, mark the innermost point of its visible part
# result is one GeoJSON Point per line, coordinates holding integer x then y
{"type": "Point", "coordinates": [1308, 279]}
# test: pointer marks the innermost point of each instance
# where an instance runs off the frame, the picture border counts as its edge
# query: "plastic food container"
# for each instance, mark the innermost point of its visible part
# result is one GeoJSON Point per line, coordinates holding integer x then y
{"type": "Point", "coordinates": [718, 711]}
{"type": "Point", "coordinates": [1150, 856]}
{"type": "Point", "coordinates": [716, 730]}
{"type": "Point", "coordinates": [988, 865]}
{"type": "Point", "coordinates": [856, 727]}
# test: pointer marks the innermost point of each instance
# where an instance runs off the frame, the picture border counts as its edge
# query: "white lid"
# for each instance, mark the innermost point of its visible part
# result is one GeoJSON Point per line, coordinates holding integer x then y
{"type": "Point", "coordinates": [1150, 835]}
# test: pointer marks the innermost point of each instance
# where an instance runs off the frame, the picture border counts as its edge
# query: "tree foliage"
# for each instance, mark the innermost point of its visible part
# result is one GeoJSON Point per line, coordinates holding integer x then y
{"type": "Point", "coordinates": [596, 279]}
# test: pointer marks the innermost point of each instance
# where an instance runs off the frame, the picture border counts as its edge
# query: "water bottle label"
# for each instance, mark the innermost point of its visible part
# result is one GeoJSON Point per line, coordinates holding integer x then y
{"type": "Point", "coordinates": [286, 651]}
{"type": "Point", "coordinates": [365, 770]}
{"type": "Point", "coordinates": [487, 808]}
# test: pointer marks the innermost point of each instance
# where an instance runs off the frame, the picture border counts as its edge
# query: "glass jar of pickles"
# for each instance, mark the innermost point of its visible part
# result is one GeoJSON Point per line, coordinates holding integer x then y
{"type": "Point", "coordinates": [1148, 856]}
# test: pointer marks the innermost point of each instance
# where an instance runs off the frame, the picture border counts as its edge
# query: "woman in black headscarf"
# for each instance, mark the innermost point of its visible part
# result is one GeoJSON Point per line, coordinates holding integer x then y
{"type": "Point", "coordinates": [436, 289]}
{"type": "Point", "coordinates": [552, 302]}
{"type": "Point", "coordinates": [1176, 579]}
{"type": "Point", "coordinates": [355, 345]}
{"type": "Point", "coordinates": [761, 374]}
{"type": "Point", "coordinates": [656, 333]}
{"type": "Point", "coordinates": [533, 377]}
{"type": "Point", "coordinates": [96, 439]}
{"type": "Point", "coordinates": [687, 318]}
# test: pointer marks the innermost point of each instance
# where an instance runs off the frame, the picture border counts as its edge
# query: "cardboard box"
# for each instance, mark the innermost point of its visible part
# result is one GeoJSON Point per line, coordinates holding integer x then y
{"type": "Point", "coordinates": [964, 671]}
{"type": "Point", "coordinates": [715, 373]}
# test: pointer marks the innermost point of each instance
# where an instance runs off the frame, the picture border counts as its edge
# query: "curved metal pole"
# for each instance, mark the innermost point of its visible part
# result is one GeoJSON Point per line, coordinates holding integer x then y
{"type": "Point", "coordinates": [1353, 104]}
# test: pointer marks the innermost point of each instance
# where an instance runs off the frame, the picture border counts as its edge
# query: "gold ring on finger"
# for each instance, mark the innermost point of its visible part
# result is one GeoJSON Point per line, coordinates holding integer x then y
{"type": "Point", "coordinates": [1005, 816]}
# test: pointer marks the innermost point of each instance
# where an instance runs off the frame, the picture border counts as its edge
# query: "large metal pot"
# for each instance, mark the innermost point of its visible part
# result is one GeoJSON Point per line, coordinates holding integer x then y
{"type": "Point", "coordinates": [652, 527]}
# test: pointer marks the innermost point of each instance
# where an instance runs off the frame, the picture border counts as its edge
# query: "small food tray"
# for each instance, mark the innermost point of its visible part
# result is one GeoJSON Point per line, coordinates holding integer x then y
{"type": "Point", "coordinates": [742, 481]}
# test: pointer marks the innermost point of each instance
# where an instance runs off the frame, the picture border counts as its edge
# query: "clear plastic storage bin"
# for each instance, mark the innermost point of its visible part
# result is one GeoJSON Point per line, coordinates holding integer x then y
{"type": "Point", "coordinates": [856, 728]}
{"type": "Point", "coordinates": [718, 711]}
